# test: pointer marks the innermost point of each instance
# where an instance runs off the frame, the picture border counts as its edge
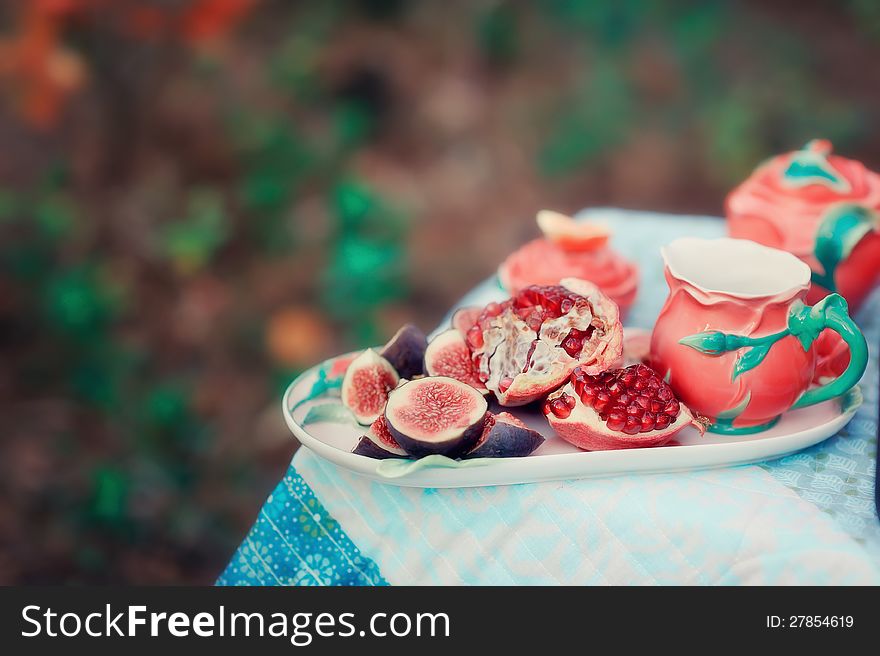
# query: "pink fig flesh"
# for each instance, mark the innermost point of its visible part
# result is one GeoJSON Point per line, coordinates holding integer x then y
{"type": "Point", "coordinates": [435, 415]}
{"type": "Point", "coordinates": [448, 355]}
{"type": "Point", "coordinates": [365, 387]}
{"type": "Point", "coordinates": [378, 443]}
{"type": "Point", "coordinates": [465, 317]}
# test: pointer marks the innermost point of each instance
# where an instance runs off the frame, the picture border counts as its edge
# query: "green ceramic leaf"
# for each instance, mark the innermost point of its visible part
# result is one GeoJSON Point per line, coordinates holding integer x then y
{"type": "Point", "coordinates": [334, 413]}
{"type": "Point", "coordinates": [810, 166]}
{"type": "Point", "coordinates": [751, 359]}
{"type": "Point", "coordinates": [807, 322]}
{"type": "Point", "coordinates": [395, 468]}
{"type": "Point", "coordinates": [321, 386]}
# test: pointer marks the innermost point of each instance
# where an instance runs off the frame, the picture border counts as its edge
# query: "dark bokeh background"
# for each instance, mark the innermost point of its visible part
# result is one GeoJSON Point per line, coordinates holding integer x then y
{"type": "Point", "coordinates": [199, 198]}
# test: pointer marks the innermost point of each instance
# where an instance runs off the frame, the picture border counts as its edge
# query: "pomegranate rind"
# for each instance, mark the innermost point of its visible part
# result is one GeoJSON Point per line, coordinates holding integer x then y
{"type": "Point", "coordinates": [609, 344]}
{"type": "Point", "coordinates": [584, 429]}
{"type": "Point", "coordinates": [436, 415]}
{"type": "Point", "coordinates": [406, 351]}
{"type": "Point", "coordinates": [601, 351]}
{"type": "Point", "coordinates": [365, 387]}
{"type": "Point", "coordinates": [505, 436]}
{"type": "Point", "coordinates": [378, 443]}
{"type": "Point", "coordinates": [572, 235]}
{"type": "Point", "coordinates": [448, 355]}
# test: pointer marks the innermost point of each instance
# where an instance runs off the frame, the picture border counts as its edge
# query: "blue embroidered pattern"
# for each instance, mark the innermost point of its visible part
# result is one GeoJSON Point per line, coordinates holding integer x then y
{"type": "Point", "coordinates": [296, 542]}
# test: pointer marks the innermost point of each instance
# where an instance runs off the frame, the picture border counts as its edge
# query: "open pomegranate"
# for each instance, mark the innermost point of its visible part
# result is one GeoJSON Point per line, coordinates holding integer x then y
{"type": "Point", "coordinates": [617, 409]}
{"type": "Point", "coordinates": [528, 345]}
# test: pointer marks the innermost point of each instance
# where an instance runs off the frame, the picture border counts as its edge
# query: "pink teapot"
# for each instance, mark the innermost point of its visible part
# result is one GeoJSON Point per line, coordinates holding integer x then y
{"type": "Point", "coordinates": [735, 338]}
{"type": "Point", "coordinates": [818, 206]}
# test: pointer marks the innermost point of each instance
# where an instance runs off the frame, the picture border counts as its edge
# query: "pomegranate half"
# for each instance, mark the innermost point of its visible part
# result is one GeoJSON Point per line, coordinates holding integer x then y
{"type": "Point", "coordinates": [528, 345]}
{"type": "Point", "coordinates": [618, 409]}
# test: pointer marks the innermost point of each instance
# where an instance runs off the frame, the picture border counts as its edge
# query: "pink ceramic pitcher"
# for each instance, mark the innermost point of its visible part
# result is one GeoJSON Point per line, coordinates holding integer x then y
{"type": "Point", "coordinates": [735, 337]}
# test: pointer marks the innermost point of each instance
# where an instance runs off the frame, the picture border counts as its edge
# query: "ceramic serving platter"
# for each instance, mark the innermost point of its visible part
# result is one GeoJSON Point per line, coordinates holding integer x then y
{"type": "Point", "coordinates": [315, 415]}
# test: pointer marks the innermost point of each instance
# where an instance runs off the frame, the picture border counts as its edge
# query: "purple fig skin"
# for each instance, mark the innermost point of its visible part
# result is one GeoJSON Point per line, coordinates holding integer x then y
{"type": "Point", "coordinates": [505, 440]}
{"type": "Point", "coordinates": [406, 351]}
{"type": "Point", "coordinates": [452, 448]}
{"type": "Point", "coordinates": [368, 447]}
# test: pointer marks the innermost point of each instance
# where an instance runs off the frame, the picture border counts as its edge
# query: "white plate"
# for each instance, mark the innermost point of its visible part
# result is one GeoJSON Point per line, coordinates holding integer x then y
{"type": "Point", "coordinates": [556, 459]}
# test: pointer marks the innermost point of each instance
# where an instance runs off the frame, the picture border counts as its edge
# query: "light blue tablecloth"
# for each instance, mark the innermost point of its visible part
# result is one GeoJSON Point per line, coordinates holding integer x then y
{"type": "Point", "coordinates": [805, 518]}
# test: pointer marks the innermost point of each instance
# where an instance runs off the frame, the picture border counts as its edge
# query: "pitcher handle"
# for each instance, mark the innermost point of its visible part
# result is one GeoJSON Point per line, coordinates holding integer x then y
{"type": "Point", "coordinates": [830, 312]}
{"type": "Point", "coordinates": [805, 323]}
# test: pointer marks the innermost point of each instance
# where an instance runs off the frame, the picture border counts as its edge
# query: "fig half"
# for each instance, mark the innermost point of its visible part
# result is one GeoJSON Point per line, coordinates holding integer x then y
{"type": "Point", "coordinates": [378, 443]}
{"type": "Point", "coordinates": [505, 436]}
{"type": "Point", "coordinates": [435, 415]}
{"type": "Point", "coordinates": [448, 355]}
{"type": "Point", "coordinates": [465, 317]}
{"type": "Point", "coordinates": [366, 384]}
{"type": "Point", "coordinates": [406, 351]}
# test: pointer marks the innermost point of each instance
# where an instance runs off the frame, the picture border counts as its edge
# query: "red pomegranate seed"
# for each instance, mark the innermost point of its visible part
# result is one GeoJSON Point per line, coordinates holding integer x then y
{"type": "Point", "coordinates": [632, 425]}
{"type": "Point", "coordinates": [630, 400]}
{"type": "Point", "coordinates": [616, 421]}
{"type": "Point", "coordinates": [534, 305]}
{"type": "Point", "coordinates": [560, 408]}
{"type": "Point", "coordinates": [475, 336]}
{"type": "Point", "coordinates": [572, 346]}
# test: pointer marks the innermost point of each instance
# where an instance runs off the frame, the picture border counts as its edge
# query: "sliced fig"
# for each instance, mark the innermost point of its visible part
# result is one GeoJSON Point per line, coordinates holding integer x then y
{"type": "Point", "coordinates": [365, 387]}
{"type": "Point", "coordinates": [465, 317]}
{"type": "Point", "coordinates": [528, 345]}
{"type": "Point", "coordinates": [618, 409]}
{"type": "Point", "coordinates": [406, 351]}
{"type": "Point", "coordinates": [435, 415]}
{"type": "Point", "coordinates": [378, 443]}
{"type": "Point", "coordinates": [448, 355]}
{"type": "Point", "coordinates": [505, 436]}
